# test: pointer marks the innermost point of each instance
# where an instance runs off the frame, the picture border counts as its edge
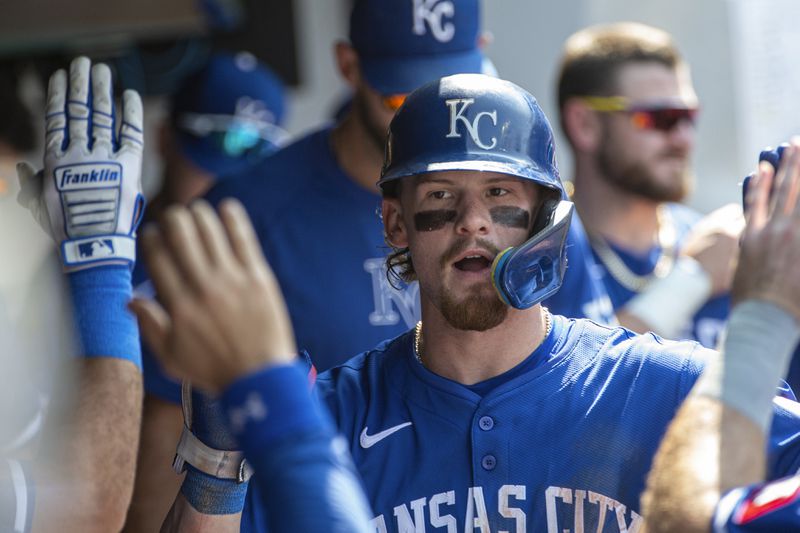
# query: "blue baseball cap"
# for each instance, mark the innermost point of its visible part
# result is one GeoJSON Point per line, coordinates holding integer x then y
{"type": "Point", "coordinates": [228, 115]}
{"type": "Point", "coordinates": [403, 44]}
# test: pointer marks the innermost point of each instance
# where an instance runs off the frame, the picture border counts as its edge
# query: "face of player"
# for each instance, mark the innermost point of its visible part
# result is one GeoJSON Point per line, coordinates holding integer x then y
{"type": "Point", "coordinates": [649, 162]}
{"type": "Point", "coordinates": [373, 114]}
{"type": "Point", "coordinates": [455, 223]}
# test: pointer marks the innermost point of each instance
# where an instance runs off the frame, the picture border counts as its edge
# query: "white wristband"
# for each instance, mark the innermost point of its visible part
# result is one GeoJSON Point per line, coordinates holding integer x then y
{"type": "Point", "coordinates": [669, 302]}
{"type": "Point", "coordinates": [758, 344]}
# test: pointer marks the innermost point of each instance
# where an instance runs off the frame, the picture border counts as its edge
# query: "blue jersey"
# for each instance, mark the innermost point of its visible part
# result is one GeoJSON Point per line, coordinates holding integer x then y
{"type": "Point", "coordinates": [708, 322]}
{"type": "Point", "coordinates": [565, 442]}
{"type": "Point", "coordinates": [582, 294]}
{"type": "Point", "coordinates": [323, 238]}
{"type": "Point", "coordinates": [765, 508]}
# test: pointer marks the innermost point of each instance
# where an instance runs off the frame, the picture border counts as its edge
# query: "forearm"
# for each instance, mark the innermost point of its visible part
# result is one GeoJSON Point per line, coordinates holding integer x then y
{"type": "Point", "coordinates": [88, 486]}
{"type": "Point", "coordinates": [716, 442]}
{"type": "Point", "coordinates": [183, 517]}
{"type": "Point", "coordinates": [632, 322]}
{"type": "Point", "coordinates": [709, 449]}
{"type": "Point", "coordinates": [668, 303]}
{"type": "Point", "coordinates": [156, 482]}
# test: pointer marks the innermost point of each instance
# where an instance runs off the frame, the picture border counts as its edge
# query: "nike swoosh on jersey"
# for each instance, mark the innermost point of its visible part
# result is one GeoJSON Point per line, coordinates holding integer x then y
{"type": "Point", "coordinates": [368, 441]}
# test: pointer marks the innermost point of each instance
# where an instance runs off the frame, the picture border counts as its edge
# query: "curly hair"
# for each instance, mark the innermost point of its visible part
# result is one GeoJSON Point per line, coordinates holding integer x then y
{"type": "Point", "coordinates": [399, 266]}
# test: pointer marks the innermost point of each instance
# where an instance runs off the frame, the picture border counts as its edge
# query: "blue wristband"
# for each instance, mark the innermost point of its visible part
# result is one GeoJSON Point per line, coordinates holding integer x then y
{"type": "Point", "coordinates": [207, 493]}
{"type": "Point", "coordinates": [268, 405]}
{"type": "Point", "coordinates": [212, 495]}
{"type": "Point", "coordinates": [105, 326]}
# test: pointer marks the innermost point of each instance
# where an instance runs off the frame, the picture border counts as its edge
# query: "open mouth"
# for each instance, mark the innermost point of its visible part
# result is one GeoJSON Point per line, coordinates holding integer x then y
{"type": "Point", "coordinates": [473, 263]}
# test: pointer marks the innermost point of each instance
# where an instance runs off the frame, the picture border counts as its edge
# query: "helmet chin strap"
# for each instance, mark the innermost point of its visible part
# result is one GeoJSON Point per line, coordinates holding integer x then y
{"type": "Point", "coordinates": [527, 274]}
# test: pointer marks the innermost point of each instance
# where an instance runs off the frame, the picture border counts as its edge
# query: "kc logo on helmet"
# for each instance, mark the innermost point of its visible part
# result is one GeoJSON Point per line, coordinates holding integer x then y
{"type": "Point", "coordinates": [473, 128]}
{"type": "Point", "coordinates": [433, 12]}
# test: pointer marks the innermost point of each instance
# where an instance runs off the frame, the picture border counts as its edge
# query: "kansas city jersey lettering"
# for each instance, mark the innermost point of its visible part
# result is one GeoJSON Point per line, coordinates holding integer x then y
{"type": "Point", "coordinates": [457, 108]}
{"type": "Point", "coordinates": [434, 15]}
{"type": "Point", "coordinates": [590, 511]}
{"type": "Point", "coordinates": [391, 304]}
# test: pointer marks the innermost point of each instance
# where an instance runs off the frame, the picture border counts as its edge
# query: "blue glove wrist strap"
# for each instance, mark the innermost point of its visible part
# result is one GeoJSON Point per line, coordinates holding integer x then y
{"type": "Point", "coordinates": [212, 495]}
{"type": "Point", "coordinates": [105, 326]}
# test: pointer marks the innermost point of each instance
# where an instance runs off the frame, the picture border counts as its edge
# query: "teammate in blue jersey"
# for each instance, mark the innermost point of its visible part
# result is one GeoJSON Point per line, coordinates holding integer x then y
{"type": "Point", "coordinates": [493, 413]}
{"type": "Point", "coordinates": [628, 109]}
{"type": "Point", "coordinates": [349, 305]}
{"type": "Point", "coordinates": [223, 118]}
{"type": "Point", "coordinates": [715, 447]}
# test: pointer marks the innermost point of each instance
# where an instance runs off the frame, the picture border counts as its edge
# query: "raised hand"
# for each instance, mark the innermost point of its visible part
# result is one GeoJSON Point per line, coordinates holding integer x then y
{"type": "Point", "coordinates": [89, 195]}
{"type": "Point", "coordinates": [220, 313]}
{"type": "Point", "coordinates": [769, 263]}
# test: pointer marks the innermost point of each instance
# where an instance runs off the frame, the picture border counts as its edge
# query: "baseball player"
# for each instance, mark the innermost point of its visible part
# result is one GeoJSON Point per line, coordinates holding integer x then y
{"type": "Point", "coordinates": [492, 413]}
{"type": "Point", "coordinates": [716, 442]}
{"type": "Point", "coordinates": [628, 109]}
{"type": "Point", "coordinates": [395, 46]}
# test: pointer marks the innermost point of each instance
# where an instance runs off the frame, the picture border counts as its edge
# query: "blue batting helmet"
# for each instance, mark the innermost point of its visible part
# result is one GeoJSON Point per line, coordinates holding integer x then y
{"type": "Point", "coordinates": [471, 122]}
{"type": "Point", "coordinates": [477, 122]}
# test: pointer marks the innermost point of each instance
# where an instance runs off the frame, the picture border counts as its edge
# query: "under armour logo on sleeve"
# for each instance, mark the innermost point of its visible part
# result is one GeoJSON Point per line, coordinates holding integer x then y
{"type": "Point", "coordinates": [252, 409]}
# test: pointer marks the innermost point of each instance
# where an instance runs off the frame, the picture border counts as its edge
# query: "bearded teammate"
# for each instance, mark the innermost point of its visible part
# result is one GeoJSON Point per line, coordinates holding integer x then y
{"type": "Point", "coordinates": [715, 446]}
{"type": "Point", "coordinates": [628, 109]}
{"type": "Point", "coordinates": [492, 412]}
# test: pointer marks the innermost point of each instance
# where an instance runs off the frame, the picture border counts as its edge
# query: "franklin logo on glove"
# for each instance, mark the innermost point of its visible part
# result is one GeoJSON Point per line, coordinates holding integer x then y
{"type": "Point", "coordinates": [87, 175]}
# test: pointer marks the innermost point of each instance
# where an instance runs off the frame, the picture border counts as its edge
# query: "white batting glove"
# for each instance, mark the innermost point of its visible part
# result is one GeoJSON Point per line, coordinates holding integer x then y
{"type": "Point", "coordinates": [89, 195]}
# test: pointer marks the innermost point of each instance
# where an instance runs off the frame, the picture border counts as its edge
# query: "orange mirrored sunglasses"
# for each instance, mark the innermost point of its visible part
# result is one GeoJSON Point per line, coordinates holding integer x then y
{"type": "Point", "coordinates": [660, 116]}
{"type": "Point", "coordinates": [393, 102]}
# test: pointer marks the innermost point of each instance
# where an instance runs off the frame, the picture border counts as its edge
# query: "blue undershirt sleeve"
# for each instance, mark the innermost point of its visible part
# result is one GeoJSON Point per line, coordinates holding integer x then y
{"type": "Point", "coordinates": [304, 472]}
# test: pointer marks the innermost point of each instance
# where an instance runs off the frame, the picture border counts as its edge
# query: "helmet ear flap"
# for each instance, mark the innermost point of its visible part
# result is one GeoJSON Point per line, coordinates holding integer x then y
{"type": "Point", "coordinates": [547, 210]}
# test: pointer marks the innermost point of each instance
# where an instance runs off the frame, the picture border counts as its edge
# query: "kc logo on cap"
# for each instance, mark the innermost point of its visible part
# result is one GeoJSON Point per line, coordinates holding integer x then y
{"type": "Point", "coordinates": [438, 15]}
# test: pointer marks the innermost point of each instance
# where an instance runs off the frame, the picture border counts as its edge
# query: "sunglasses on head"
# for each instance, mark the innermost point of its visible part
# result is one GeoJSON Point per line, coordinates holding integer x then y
{"type": "Point", "coordinates": [234, 137]}
{"type": "Point", "coordinates": [393, 102]}
{"type": "Point", "coordinates": [661, 117]}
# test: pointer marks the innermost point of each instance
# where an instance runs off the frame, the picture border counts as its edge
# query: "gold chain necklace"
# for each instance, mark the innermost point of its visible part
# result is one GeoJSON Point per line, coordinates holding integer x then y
{"type": "Point", "coordinates": [617, 268]}
{"type": "Point", "coordinates": [548, 327]}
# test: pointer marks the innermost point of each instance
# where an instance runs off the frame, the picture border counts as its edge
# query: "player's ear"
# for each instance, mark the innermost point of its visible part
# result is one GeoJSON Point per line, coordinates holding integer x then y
{"type": "Point", "coordinates": [393, 225]}
{"type": "Point", "coordinates": [347, 61]}
{"type": "Point", "coordinates": [582, 126]}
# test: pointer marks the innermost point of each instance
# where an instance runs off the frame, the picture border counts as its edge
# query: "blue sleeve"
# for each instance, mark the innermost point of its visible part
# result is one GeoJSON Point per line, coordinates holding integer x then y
{"type": "Point", "coordinates": [303, 471]}
{"type": "Point", "coordinates": [784, 439]}
{"type": "Point", "coordinates": [766, 508]}
{"type": "Point", "coordinates": [793, 376]}
{"type": "Point", "coordinates": [156, 381]}
{"type": "Point", "coordinates": [582, 294]}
